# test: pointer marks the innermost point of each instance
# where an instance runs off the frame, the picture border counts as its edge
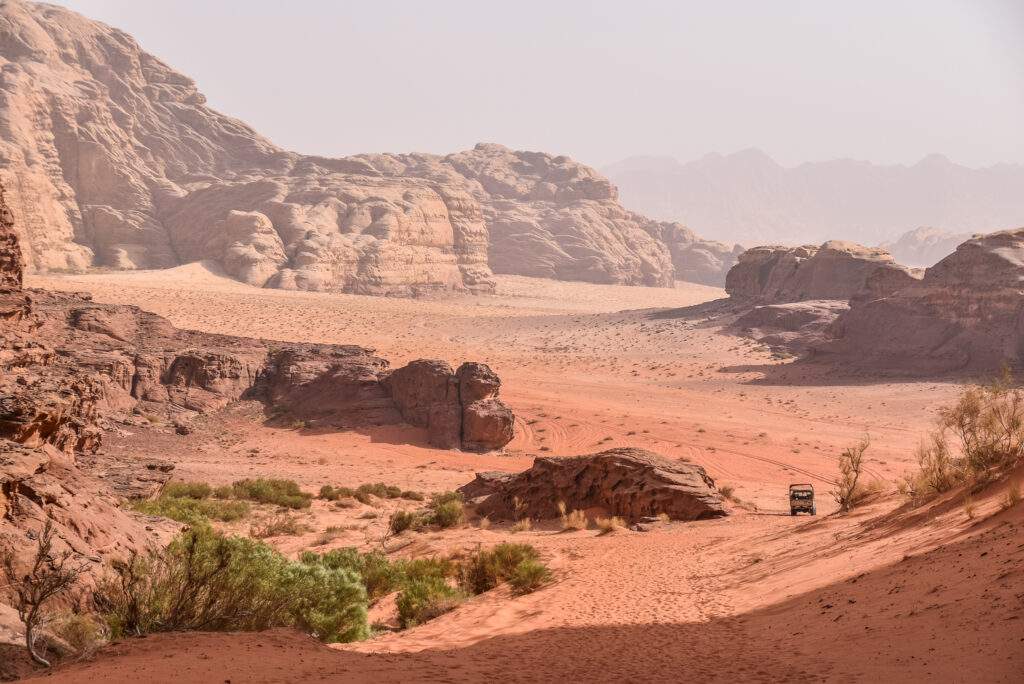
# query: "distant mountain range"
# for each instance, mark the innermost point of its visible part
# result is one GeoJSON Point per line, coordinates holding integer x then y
{"type": "Point", "coordinates": [749, 198]}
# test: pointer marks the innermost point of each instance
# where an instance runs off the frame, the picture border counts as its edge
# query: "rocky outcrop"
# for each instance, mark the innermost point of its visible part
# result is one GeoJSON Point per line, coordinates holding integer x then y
{"type": "Point", "coordinates": [632, 483]}
{"type": "Point", "coordinates": [794, 327]}
{"type": "Point", "coordinates": [42, 483]}
{"type": "Point", "coordinates": [458, 409]}
{"type": "Point", "coordinates": [69, 365]}
{"type": "Point", "coordinates": [965, 314]}
{"type": "Point", "coordinates": [113, 159]}
{"type": "Point", "coordinates": [10, 252]}
{"type": "Point", "coordinates": [835, 270]}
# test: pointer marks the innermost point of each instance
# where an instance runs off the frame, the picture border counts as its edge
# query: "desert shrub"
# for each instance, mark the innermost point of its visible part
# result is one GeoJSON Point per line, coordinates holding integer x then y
{"type": "Point", "coordinates": [988, 423]}
{"type": "Point", "coordinates": [205, 580]}
{"type": "Point", "coordinates": [49, 575]}
{"type": "Point", "coordinates": [442, 498]}
{"type": "Point", "coordinates": [278, 526]}
{"type": "Point", "coordinates": [404, 520]}
{"type": "Point", "coordinates": [486, 569]}
{"type": "Point", "coordinates": [726, 491]}
{"type": "Point", "coordinates": [484, 523]}
{"type": "Point", "coordinates": [82, 634]}
{"type": "Point", "coordinates": [364, 498]}
{"type": "Point", "coordinates": [448, 514]}
{"type": "Point", "coordinates": [336, 493]}
{"type": "Point", "coordinates": [187, 490]}
{"type": "Point", "coordinates": [192, 511]}
{"type": "Point", "coordinates": [571, 520]}
{"type": "Point", "coordinates": [425, 599]}
{"type": "Point", "coordinates": [610, 524]}
{"type": "Point", "coordinates": [381, 490]}
{"type": "Point", "coordinates": [851, 466]}
{"type": "Point", "coordinates": [528, 576]}
{"type": "Point", "coordinates": [410, 495]}
{"type": "Point", "coordinates": [285, 493]}
{"type": "Point", "coordinates": [663, 517]}
{"type": "Point", "coordinates": [223, 492]}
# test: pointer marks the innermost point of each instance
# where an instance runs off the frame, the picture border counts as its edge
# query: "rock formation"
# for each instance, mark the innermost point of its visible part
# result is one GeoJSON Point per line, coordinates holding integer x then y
{"type": "Point", "coordinates": [68, 365]}
{"type": "Point", "coordinates": [835, 270]}
{"type": "Point", "coordinates": [924, 246]}
{"type": "Point", "coordinates": [632, 483]}
{"type": "Point", "coordinates": [966, 314]}
{"type": "Point", "coordinates": [10, 252]}
{"type": "Point", "coordinates": [113, 159]}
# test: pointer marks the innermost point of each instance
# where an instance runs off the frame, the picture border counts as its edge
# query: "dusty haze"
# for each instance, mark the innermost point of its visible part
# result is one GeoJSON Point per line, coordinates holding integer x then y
{"type": "Point", "coordinates": [889, 82]}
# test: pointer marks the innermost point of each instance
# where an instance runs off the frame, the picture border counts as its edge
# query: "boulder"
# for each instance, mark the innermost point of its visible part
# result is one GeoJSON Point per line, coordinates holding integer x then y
{"type": "Point", "coordinates": [632, 483]}
{"type": "Point", "coordinates": [459, 409]}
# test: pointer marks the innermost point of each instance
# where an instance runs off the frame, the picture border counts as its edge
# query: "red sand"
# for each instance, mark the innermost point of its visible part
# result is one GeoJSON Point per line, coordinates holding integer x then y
{"type": "Point", "coordinates": [882, 594]}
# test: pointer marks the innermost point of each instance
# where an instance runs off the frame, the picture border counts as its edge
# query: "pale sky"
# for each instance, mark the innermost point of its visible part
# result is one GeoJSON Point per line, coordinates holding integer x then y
{"type": "Point", "coordinates": [888, 81]}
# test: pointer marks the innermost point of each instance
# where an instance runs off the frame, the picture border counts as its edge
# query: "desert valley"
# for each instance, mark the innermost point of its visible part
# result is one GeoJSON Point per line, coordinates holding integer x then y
{"type": "Point", "coordinates": [270, 417]}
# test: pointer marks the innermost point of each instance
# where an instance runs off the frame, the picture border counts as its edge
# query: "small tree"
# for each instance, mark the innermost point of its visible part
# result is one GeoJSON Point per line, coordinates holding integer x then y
{"type": "Point", "coordinates": [49, 576]}
{"type": "Point", "coordinates": [850, 468]}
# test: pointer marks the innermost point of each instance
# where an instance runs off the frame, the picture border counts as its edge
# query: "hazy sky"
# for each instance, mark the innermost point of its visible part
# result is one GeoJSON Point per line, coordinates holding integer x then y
{"type": "Point", "coordinates": [886, 81]}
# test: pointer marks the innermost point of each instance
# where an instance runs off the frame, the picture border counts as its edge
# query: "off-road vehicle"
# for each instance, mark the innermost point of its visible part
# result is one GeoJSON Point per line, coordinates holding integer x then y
{"type": "Point", "coordinates": [801, 499]}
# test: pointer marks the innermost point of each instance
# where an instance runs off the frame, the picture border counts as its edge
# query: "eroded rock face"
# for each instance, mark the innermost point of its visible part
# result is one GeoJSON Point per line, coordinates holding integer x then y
{"type": "Point", "coordinates": [10, 252]}
{"type": "Point", "coordinates": [40, 483]}
{"type": "Point", "coordinates": [68, 365]}
{"type": "Point", "coordinates": [459, 409]}
{"type": "Point", "coordinates": [966, 314]}
{"type": "Point", "coordinates": [113, 159]}
{"type": "Point", "coordinates": [633, 483]}
{"type": "Point", "coordinates": [835, 270]}
{"type": "Point", "coordinates": [695, 259]}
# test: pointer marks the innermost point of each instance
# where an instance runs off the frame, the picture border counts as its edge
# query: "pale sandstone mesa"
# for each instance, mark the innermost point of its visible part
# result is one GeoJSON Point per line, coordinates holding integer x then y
{"type": "Point", "coordinates": [113, 159]}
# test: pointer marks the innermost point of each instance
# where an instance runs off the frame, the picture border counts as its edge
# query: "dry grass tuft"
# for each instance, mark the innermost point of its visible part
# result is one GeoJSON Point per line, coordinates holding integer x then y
{"type": "Point", "coordinates": [524, 525]}
{"type": "Point", "coordinates": [610, 524]}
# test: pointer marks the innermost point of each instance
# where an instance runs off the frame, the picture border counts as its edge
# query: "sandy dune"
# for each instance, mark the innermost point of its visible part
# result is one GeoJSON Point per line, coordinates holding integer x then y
{"type": "Point", "coordinates": [886, 594]}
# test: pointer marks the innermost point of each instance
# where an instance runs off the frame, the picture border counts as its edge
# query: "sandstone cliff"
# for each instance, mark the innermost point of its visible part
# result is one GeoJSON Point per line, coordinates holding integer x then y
{"type": "Point", "coordinates": [966, 314]}
{"type": "Point", "coordinates": [111, 158]}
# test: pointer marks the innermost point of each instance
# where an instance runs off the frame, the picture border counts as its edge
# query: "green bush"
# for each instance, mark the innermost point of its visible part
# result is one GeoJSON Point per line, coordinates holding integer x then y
{"type": "Point", "coordinates": [187, 490]}
{"type": "Point", "coordinates": [448, 514]}
{"type": "Point", "coordinates": [192, 511]}
{"type": "Point", "coordinates": [335, 493]}
{"type": "Point", "coordinates": [381, 490]}
{"type": "Point", "coordinates": [529, 575]}
{"type": "Point", "coordinates": [205, 580]}
{"type": "Point", "coordinates": [403, 520]}
{"type": "Point", "coordinates": [425, 599]}
{"type": "Point", "coordinates": [486, 569]}
{"type": "Point", "coordinates": [284, 493]}
{"type": "Point", "coordinates": [444, 497]}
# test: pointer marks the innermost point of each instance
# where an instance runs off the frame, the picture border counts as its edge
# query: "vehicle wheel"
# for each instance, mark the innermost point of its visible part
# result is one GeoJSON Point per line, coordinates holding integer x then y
{"type": "Point", "coordinates": [792, 512]}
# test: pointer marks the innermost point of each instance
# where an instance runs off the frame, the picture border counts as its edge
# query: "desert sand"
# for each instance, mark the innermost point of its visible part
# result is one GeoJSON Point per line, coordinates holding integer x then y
{"type": "Point", "coordinates": [888, 593]}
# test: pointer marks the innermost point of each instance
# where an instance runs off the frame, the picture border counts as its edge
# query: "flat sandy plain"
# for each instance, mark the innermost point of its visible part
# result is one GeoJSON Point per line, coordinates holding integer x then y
{"type": "Point", "coordinates": [886, 593]}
